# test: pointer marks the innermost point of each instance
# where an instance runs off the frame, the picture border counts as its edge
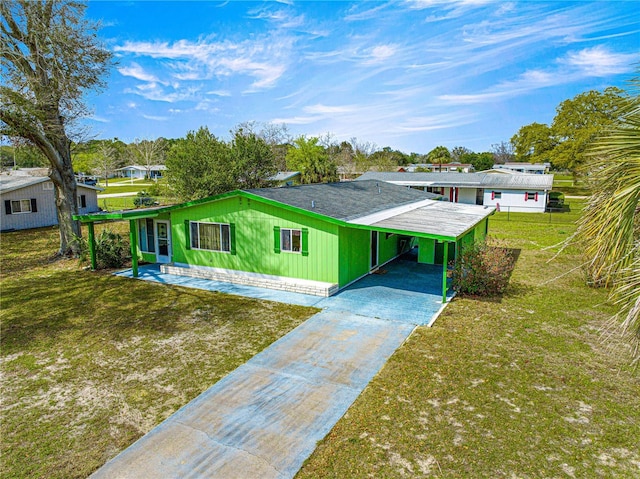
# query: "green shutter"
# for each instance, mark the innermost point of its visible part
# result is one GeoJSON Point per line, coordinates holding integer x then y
{"type": "Point", "coordinates": [276, 239]}
{"type": "Point", "coordinates": [232, 238]}
{"type": "Point", "coordinates": [305, 242]}
{"type": "Point", "coordinates": [187, 233]}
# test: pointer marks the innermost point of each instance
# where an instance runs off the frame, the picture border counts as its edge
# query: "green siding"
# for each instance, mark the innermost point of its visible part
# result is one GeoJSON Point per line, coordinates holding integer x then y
{"type": "Point", "coordinates": [426, 250]}
{"type": "Point", "coordinates": [387, 247]}
{"type": "Point", "coordinates": [255, 248]}
{"type": "Point", "coordinates": [354, 254]}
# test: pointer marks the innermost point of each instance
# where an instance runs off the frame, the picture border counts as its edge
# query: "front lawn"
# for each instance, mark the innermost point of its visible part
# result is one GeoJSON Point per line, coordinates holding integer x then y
{"type": "Point", "coordinates": [90, 362]}
{"type": "Point", "coordinates": [516, 387]}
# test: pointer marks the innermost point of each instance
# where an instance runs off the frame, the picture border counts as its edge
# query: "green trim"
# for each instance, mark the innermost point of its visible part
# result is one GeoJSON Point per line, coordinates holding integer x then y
{"type": "Point", "coordinates": [92, 246]}
{"type": "Point", "coordinates": [276, 239]}
{"type": "Point", "coordinates": [187, 234]}
{"type": "Point", "coordinates": [445, 260]}
{"type": "Point", "coordinates": [305, 242]}
{"type": "Point", "coordinates": [232, 238]}
{"type": "Point", "coordinates": [133, 239]}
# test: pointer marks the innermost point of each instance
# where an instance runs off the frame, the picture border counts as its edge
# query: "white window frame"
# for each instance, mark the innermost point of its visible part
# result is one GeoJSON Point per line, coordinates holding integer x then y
{"type": "Point", "coordinates": [291, 235]}
{"type": "Point", "coordinates": [531, 196]}
{"type": "Point", "coordinates": [20, 203]}
{"type": "Point", "coordinates": [497, 195]}
{"type": "Point", "coordinates": [47, 186]}
{"type": "Point", "coordinates": [197, 246]}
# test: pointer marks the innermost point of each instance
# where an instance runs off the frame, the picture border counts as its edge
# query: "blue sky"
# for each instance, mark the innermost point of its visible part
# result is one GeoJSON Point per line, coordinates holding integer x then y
{"type": "Point", "coordinates": [411, 75]}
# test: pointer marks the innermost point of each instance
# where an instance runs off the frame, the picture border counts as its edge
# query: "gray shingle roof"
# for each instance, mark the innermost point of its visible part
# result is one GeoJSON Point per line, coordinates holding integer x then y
{"type": "Point", "coordinates": [346, 200]}
{"type": "Point", "coordinates": [469, 180]}
{"type": "Point", "coordinates": [11, 183]}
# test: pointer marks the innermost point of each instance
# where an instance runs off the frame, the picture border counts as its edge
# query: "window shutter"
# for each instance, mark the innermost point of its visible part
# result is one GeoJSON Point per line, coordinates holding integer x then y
{"type": "Point", "coordinates": [187, 233]}
{"type": "Point", "coordinates": [276, 239]}
{"type": "Point", "coordinates": [34, 205]}
{"type": "Point", "coordinates": [7, 206]}
{"type": "Point", "coordinates": [83, 201]}
{"type": "Point", "coordinates": [305, 242]}
{"type": "Point", "coordinates": [232, 238]}
{"type": "Point", "coordinates": [536, 196]}
{"type": "Point", "coordinates": [526, 196]}
{"type": "Point", "coordinates": [493, 195]}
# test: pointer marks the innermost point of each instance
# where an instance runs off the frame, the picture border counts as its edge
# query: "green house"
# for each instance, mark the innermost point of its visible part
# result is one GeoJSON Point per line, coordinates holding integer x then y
{"type": "Point", "coordinates": [314, 239]}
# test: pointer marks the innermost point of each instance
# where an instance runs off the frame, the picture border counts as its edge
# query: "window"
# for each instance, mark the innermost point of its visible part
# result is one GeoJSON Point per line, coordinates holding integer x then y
{"type": "Point", "coordinates": [496, 195]}
{"type": "Point", "coordinates": [82, 201]}
{"type": "Point", "coordinates": [210, 236]}
{"type": "Point", "coordinates": [291, 240]}
{"type": "Point", "coordinates": [531, 196]}
{"type": "Point", "coordinates": [47, 186]}
{"type": "Point", "coordinates": [146, 238]}
{"type": "Point", "coordinates": [12, 207]}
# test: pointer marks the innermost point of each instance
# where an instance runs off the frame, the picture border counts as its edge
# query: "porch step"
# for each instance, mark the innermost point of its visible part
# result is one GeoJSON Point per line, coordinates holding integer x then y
{"type": "Point", "coordinates": [282, 283]}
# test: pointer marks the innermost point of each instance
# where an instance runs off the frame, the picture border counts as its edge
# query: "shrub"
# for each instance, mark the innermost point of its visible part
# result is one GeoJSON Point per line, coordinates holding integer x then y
{"type": "Point", "coordinates": [482, 270]}
{"type": "Point", "coordinates": [111, 250]}
{"type": "Point", "coordinates": [143, 199]}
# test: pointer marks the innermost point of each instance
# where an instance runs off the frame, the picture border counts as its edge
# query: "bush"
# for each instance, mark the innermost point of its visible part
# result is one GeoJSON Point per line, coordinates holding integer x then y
{"type": "Point", "coordinates": [111, 250]}
{"type": "Point", "coordinates": [143, 199]}
{"type": "Point", "coordinates": [482, 270]}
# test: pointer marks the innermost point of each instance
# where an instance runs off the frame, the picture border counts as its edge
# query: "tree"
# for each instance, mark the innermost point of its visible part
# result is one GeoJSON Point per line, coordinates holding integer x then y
{"type": "Point", "coordinates": [199, 166]}
{"type": "Point", "coordinates": [439, 155]}
{"type": "Point", "coordinates": [458, 152]}
{"type": "Point", "coordinates": [149, 153]}
{"type": "Point", "coordinates": [609, 229]}
{"type": "Point", "coordinates": [252, 160]}
{"type": "Point", "coordinates": [50, 56]}
{"type": "Point", "coordinates": [579, 121]}
{"type": "Point", "coordinates": [502, 153]}
{"type": "Point", "coordinates": [534, 143]}
{"type": "Point", "coordinates": [480, 161]}
{"type": "Point", "coordinates": [104, 162]}
{"type": "Point", "coordinates": [312, 161]}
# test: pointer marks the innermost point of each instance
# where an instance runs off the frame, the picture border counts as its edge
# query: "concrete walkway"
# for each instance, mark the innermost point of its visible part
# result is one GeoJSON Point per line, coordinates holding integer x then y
{"type": "Point", "coordinates": [264, 419]}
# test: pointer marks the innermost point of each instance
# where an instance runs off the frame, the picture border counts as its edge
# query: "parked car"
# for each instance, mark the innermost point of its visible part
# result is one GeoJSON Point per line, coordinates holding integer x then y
{"type": "Point", "coordinates": [87, 180]}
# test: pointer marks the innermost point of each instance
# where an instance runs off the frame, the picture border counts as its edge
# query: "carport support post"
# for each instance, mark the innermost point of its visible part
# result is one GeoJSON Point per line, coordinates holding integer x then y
{"type": "Point", "coordinates": [92, 245]}
{"type": "Point", "coordinates": [445, 260]}
{"type": "Point", "coordinates": [133, 239]}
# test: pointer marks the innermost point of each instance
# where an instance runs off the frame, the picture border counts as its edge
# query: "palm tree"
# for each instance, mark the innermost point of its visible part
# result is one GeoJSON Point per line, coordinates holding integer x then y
{"type": "Point", "coordinates": [610, 226]}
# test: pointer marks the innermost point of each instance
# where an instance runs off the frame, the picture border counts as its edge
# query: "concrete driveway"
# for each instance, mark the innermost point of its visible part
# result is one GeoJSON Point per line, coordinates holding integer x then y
{"type": "Point", "coordinates": [264, 419]}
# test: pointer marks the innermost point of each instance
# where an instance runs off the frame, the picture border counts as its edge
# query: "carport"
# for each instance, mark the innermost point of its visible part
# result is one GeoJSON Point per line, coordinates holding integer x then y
{"type": "Point", "coordinates": [441, 228]}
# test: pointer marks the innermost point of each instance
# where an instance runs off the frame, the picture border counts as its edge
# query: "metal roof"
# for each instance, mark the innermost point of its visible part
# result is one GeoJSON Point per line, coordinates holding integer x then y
{"type": "Point", "coordinates": [12, 183]}
{"type": "Point", "coordinates": [437, 218]}
{"type": "Point", "coordinates": [346, 200]}
{"type": "Point", "coordinates": [284, 175]}
{"type": "Point", "coordinates": [468, 180]}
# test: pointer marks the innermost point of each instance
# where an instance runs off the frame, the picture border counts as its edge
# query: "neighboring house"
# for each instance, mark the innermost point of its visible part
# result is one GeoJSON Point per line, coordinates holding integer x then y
{"type": "Point", "coordinates": [137, 171]}
{"type": "Point", "coordinates": [435, 167]}
{"type": "Point", "coordinates": [314, 239]}
{"type": "Point", "coordinates": [29, 202]}
{"type": "Point", "coordinates": [286, 178]}
{"type": "Point", "coordinates": [507, 192]}
{"type": "Point", "coordinates": [527, 168]}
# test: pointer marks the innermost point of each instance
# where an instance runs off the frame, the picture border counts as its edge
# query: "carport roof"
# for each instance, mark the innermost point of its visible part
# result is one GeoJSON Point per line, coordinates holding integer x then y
{"type": "Point", "coordinates": [433, 218]}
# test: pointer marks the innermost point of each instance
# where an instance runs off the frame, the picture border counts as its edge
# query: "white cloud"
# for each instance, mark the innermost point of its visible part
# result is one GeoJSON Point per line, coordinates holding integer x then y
{"type": "Point", "coordinates": [296, 120]}
{"type": "Point", "coordinates": [264, 58]}
{"type": "Point", "coordinates": [99, 119]}
{"type": "Point", "coordinates": [381, 53]}
{"type": "Point", "coordinates": [321, 109]}
{"type": "Point", "coordinates": [600, 61]}
{"type": "Point", "coordinates": [137, 72]}
{"type": "Point", "coordinates": [155, 118]}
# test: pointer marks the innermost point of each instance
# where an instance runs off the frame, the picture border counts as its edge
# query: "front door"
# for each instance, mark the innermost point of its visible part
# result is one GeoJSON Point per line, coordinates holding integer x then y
{"type": "Point", "coordinates": [479, 196]}
{"type": "Point", "coordinates": [374, 249]}
{"type": "Point", "coordinates": [163, 241]}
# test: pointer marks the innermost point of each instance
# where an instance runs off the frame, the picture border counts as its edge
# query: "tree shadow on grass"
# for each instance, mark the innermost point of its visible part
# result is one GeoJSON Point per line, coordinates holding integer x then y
{"type": "Point", "coordinates": [82, 305]}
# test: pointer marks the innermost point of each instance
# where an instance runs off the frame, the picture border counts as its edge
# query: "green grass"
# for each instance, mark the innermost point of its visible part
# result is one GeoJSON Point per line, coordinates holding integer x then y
{"type": "Point", "coordinates": [90, 362]}
{"type": "Point", "coordinates": [518, 386]}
